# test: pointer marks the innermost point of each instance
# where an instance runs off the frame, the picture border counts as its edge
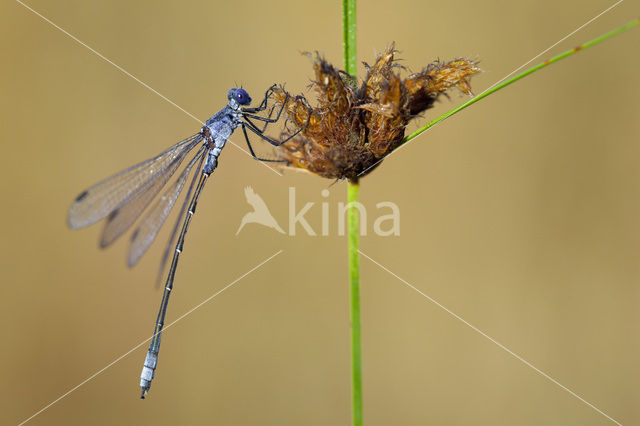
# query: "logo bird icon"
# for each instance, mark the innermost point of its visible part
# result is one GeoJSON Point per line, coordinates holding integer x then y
{"type": "Point", "coordinates": [260, 213]}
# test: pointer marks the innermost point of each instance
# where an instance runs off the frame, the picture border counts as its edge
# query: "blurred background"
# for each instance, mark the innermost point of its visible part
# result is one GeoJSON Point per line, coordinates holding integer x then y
{"type": "Point", "coordinates": [519, 214]}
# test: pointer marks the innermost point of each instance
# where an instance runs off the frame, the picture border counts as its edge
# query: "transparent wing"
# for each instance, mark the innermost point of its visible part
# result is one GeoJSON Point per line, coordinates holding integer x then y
{"type": "Point", "coordinates": [101, 199]}
{"type": "Point", "coordinates": [176, 225]}
{"type": "Point", "coordinates": [123, 217]}
{"type": "Point", "coordinates": [154, 218]}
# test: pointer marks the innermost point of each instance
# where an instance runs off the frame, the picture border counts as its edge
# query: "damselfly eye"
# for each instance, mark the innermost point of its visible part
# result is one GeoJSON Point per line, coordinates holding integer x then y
{"type": "Point", "coordinates": [242, 97]}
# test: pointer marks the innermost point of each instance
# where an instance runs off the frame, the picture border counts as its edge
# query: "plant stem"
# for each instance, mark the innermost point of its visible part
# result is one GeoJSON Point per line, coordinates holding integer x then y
{"type": "Point", "coordinates": [350, 66]}
{"type": "Point", "coordinates": [354, 293]}
{"type": "Point", "coordinates": [349, 37]}
{"type": "Point", "coordinates": [523, 74]}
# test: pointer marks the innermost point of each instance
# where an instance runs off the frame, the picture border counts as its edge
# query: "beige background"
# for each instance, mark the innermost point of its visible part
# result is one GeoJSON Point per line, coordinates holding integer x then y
{"type": "Point", "coordinates": [519, 214]}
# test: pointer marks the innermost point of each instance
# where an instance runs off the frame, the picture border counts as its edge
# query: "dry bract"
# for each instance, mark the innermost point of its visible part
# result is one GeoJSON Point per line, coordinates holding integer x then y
{"type": "Point", "coordinates": [353, 126]}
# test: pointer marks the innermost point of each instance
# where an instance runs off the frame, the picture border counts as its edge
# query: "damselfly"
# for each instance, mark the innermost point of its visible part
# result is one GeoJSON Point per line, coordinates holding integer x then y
{"type": "Point", "coordinates": [124, 197]}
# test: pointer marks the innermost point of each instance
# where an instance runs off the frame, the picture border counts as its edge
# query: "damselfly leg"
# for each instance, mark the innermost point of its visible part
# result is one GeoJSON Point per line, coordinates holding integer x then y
{"type": "Point", "coordinates": [248, 124]}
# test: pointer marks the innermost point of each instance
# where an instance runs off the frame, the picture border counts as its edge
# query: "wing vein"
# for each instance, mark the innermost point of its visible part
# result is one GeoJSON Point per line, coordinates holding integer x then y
{"type": "Point", "coordinates": [154, 218]}
{"type": "Point", "coordinates": [103, 198]}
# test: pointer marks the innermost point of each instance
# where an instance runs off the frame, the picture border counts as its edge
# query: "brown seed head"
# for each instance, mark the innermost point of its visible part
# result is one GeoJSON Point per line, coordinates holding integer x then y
{"type": "Point", "coordinates": [352, 128]}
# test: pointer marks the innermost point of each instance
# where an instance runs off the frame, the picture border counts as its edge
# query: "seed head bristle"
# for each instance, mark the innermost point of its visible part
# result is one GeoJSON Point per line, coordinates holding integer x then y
{"type": "Point", "coordinates": [353, 126]}
{"type": "Point", "coordinates": [438, 77]}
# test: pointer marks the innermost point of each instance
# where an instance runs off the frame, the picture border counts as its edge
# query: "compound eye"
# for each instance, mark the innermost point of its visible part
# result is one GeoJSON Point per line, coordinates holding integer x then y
{"type": "Point", "coordinates": [242, 97]}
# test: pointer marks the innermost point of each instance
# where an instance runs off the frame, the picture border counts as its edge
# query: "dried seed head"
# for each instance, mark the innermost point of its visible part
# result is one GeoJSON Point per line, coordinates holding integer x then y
{"type": "Point", "coordinates": [438, 77]}
{"type": "Point", "coordinates": [352, 128]}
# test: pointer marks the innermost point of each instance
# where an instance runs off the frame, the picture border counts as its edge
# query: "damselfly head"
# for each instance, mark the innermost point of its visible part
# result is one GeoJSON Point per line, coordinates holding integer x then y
{"type": "Point", "coordinates": [355, 124]}
{"type": "Point", "coordinates": [239, 95]}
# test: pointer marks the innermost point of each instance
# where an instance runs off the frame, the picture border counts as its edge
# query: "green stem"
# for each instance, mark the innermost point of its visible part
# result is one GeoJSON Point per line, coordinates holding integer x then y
{"type": "Point", "coordinates": [350, 66]}
{"type": "Point", "coordinates": [523, 74]}
{"type": "Point", "coordinates": [349, 37]}
{"type": "Point", "coordinates": [354, 293]}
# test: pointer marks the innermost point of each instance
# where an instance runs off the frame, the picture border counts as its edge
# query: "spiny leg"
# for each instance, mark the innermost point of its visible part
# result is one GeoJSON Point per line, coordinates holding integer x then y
{"type": "Point", "coordinates": [267, 119]}
{"type": "Point", "coordinates": [253, 154]}
{"type": "Point", "coordinates": [260, 134]}
{"type": "Point", "coordinates": [263, 104]}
